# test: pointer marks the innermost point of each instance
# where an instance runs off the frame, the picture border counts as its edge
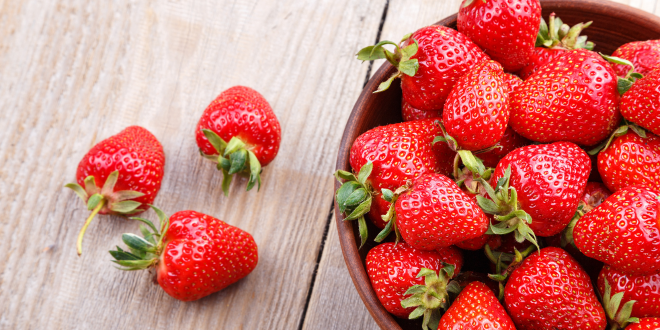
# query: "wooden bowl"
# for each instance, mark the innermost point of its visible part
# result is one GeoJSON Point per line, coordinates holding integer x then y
{"type": "Point", "coordinates": [613, 25]}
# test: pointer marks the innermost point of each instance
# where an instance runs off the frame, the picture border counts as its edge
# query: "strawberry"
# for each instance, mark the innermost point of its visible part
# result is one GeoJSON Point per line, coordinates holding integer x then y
{"type": "Point", "coordinates": [641, 103]}
{"type": "Point", "coordinates": [193, 254]}
{"type": "Point", "coordinates": [240, 132]}
{"type": "Point", "coordinates": [477, 243]}
{"type": "Point", "coordinates": [644, 55]}
{"type": "Point", "coordinates": [436, 213]}
{"type": "Point", "coordinates": [429, 63]}
{"type": "Point", "coordinates": [647, 323]}
{"type": "Point", "coordinates": [512, 82]}
{"type": "Point", "coordinates": [505, 29]}
{"type": "Point", "coordinates": [121, 175]}
{"type": "Point", "coordinates": [575, 98]}
{"type": "Point", "coordinates": [409, 113]}
{"type": "Point", "coordinates": [631, 160]}
{"type": "Point", "coordinates": [550, 290]}
{"type": "Point", "coordinates": [387, 157]}
{"type": "Point", "coordinates": [509, 142]}
{"type": "Point", "coordinates": [644, 290]}
{"type": "Point", "coordinates": [476, 308]}
{"type": "Point", "coordinates": [405, 263]}
{"type": "Point", "coordinates": [595, 193]}
{"type": "Point", "coordinates": [549, 180]}
{"type": "Point", "coordinates": [555, 38]}
{"type": "Point", "coordinates": [623, 231]}
{"type": "Point", "coordinates": [477, 110]}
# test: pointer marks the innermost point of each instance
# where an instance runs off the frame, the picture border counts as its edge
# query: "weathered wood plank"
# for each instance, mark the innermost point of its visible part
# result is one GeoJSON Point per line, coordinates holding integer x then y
{"type": "Point", "coordinates": [74, 72]}
{"type": "Point", "coordinates": [335, 303]}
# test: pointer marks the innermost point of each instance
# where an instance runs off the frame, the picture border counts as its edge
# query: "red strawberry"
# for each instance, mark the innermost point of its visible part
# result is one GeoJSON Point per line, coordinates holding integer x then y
{"type": "Point", "coordinates": [554, 39]}
{"type": "Point", "coordinates": [644, 290]}
{"type": "Point", "coordinates": [436, 213]}
{"type": "Point", "coordinates": [430, 61]}
{"type": "Point", "coordinates": [641, 103]}
{"type": "Point", "coordinates": [551, 291]}
{"type": "Point", "coordinates": [394, 268]}
{"type": "Point", "coordinates": [387, 157]}
{"type": "Point", "coordinates": [240, 132]}
{"type": "Point", "coordinates": [476, 308]}
{"type": "Point", "coordinates": [631, 160]}
{"type": "Point", "coordinates": [623, 231]}
{"type": "Point", "coordinates": [644, 55]}
{"type": "Point", "coordinates": [647, 323]}
{"type": "Point", "coordinates": [512, 82]}
{"type": "Point", "coordinates": [505, 29]}
{"type": "Point", "coordinates": [121, 175]}
{"type": "Point", "coordinates": [509, 142]}
{"type": "Point", "coordinates": [477, 110]}
{"type": "Point", "coordinates": [409, 113]}
{"type": "Point", "coordinates": [196, 255]}
{"type": "Point", "coordinates": [575, 98]}
{"type": "Point", "coordinates": [549, 180]}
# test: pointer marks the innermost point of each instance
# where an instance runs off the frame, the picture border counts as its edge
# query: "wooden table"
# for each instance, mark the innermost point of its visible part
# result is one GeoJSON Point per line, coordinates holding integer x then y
{"type": "Point", "coordinates": [77, 71]}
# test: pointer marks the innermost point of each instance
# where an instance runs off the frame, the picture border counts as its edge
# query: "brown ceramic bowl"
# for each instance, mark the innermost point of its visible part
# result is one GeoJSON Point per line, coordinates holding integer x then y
{"type": "Point", "coordinates": [613, 25]}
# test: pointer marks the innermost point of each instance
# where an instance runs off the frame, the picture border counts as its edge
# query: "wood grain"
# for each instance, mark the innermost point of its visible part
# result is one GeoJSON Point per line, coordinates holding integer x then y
{"type": "Point", "coordinates": [74, 72]}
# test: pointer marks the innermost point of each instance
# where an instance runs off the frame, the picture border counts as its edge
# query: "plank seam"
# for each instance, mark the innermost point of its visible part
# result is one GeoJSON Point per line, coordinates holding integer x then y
{"type": "Point", "coordinates": [380, 30]}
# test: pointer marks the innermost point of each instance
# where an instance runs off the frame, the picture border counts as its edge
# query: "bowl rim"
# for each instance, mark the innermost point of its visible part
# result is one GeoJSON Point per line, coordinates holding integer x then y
{"type": "Point", "coordinates": [345, 229]}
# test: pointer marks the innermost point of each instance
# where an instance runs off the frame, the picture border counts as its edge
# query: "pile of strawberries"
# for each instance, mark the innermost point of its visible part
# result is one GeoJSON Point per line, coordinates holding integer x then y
{"type": "Point", "coordinates": [193, 254]}
{"type": "Point", "coordinates": [521, 142]}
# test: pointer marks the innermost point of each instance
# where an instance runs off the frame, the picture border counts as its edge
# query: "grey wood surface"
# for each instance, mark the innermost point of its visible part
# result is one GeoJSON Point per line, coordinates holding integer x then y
{"type": "Point", "coordinates": [73, 72]}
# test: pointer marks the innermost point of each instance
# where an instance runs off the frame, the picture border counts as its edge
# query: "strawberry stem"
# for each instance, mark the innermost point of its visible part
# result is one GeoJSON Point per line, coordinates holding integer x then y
{"type": "Point", "coordinates": [96, 210]}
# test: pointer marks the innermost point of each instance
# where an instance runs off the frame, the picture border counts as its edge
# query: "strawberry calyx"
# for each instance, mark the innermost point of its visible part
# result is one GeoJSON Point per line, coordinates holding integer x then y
{"type": "Point", "coordinates": [611, 304]}
{"type": "Point", "coordinates": [505, 264]}
{"type": "Point", "coordinates": [232, 158]}
{"type": "Point", "coordinates": [400, 58]}
{"type": "Point", "coordinates": [624, 84]}
{"type": "Point", "coordinates": [622, 130]}
{"type": "Point", "coordinates": [354, 197]}
{"type": "Point", "coordinates": [144, 252]}
{"type": "Point", "coordinates": [503, 204]}
{"type": "Point", "coordinates": [471, 162]}
{"type": "Point", "coordinates": [390, 217]}
{"type": "Point", "coordinates": [557, 35]}
{"type": "Point", "coordinates": [104, 200]}
{"type": "Point", "coordinates": [432, 296]}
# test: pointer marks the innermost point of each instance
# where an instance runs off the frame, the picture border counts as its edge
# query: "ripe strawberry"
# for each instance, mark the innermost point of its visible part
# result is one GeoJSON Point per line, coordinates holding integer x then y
{"type": "Point", "coordinates": [631, 160]}
{"type": "Point", "coordinates": [240, 132]}
{"type": "Point", "coordinates": [436, 213]}
{"type": "Point", "coordinates": [551, 291]}
{"type": "Point", "coordinates": [409, 113]}
{"type": "Point", "coordinates": [509, 142]}
{"type": "Point", "coordinates": [386, 158]}
{"type": "Point", "coordinates": [647, 323]}
{"type": "Point", "coordinates": [430, 61]}
{"type": "Point", "coordinates": [406, 263]}
{"type": "Point", "coordinates": [194, 254]}
{"type": "Point", "coordinates": [644, 290]}
{"type": "Point", "coordinates": [477, 110]}
{"type": "Point", "coordinates": [623, 231]}
{"type": "Point", "coordinates": [121, 175]}
{"type": "Point", "coordinates": [476, 308]}
{"type": "Point", "coordinates": [505, 29]}
{"type": "Point", "coordinates": [554, 39]}
{"type": "Point", "coordinates": [575, 98]}
{"type": "Point", "coordinates": [641, 103]}
{"type": "Point", "coordinates": [644, 55]}
{"type": "Point", "coordinates": [512, 82]}
{"type": "Point", "coordinates": [549, 180]}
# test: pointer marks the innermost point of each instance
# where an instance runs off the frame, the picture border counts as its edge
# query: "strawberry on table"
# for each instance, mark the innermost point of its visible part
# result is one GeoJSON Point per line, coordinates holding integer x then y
{"type": "Point", "coordinates": [394, 268]}
{"type": "Point", "coordinates": [429, 63]}
{"type": "Point", "coordinates": [505, 29]}
{"type": "Point", "coordinates": [644, 290]}
{"type": "Point", "coordinates": [194, 254]}
{"type": "Point", "coordinates": [476, 308]}
{"type": "Point", "coordinates": [120, 175]}
{"type": "Point", "coordinates": [240, 132]}
{"type": "Point", "coordinates": [644, 55]}
{"type": "Point", "coordinates": [409, 113]}
{"type": "Point", "coordinates": [641, 103]}
{"type": "Point", "coordinates": [550, 290]}
{"type": "Point", "coordinates": [631, 160]}
{"type": "Point", "coordinates": [574, 98]}
{"type": "Point", "coordinates": [623, 231]}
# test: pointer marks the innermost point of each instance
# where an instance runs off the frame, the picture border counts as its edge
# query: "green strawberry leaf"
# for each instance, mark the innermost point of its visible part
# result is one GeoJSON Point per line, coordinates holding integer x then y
{"type": "Point", "coordinates": [386, 84]}
{"type": "Point", "coordinates": [365, 171]}
{"type": "Point", "coordinates": [345, 175]}
{"type": "Point", "coordinates": [362, 228]}
{"type": "Point", "coordinates": [238, 160]}
{"type": "Point", "coordinates": [360, 210]}
{"type": "Point", "coordinates": [356, 197]}
{"type": "Point", "coordinates": [78, 189]}
{"type": "Point", "coordinates": [344, 192]}
{"type": "Point", "coordinates": [125, 206]}
{"type": "Point", "coordinates": [216, 141]}
{"type": "Point", "coordinates": [388, 195]}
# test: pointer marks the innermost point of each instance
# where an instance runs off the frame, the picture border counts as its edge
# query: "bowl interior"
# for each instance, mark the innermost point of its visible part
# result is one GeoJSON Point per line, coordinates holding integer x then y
{"type": "Point", "coordinates": [613, 25]}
